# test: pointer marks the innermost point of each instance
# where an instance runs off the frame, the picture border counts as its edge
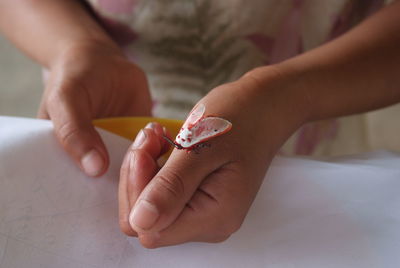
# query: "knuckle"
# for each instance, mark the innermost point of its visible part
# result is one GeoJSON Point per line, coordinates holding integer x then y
{"type": "Point", "coordinates": [253, 71]}
{"type": "Point", "coordinates": [225, 86]}
{"type": "Point", "coordinates": [233, 226]}
{"type": "Point", "coordinates": [253, 77]}
{"type": "Point", "coordinates": [219, 239]}
{"type": "Point", "coordinates": [171, 182]}
{"type": "Point", "coordinates": [259, 74]}
{"type": "Point", "coordinates": [66, 131]}
{"type": "Point", "coordinates": [229, 227]}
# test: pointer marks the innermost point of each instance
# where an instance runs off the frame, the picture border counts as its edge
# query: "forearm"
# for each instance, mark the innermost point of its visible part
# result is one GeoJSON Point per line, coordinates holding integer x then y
{"type": "Point", "coordinates": [354, 73]}
{"type": "Point", "coordinates": [44, 29]}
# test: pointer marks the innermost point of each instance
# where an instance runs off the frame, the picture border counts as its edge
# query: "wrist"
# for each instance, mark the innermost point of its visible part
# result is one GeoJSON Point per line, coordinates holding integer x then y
{"type": "Point", "coordinates": [85, 48]}
{"type": "Point", "coordinates": [279, 93]}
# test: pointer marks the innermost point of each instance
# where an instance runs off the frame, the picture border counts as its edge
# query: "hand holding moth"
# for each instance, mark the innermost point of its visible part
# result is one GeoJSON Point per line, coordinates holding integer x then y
{"type": "Point", "coordinates": [204, 196]}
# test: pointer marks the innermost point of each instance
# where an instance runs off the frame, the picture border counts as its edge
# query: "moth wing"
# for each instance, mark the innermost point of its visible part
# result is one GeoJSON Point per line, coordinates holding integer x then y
{"type": "Point", "coordinates": [195, 115]}
{"type": "Point", "coordinates": [208, 128]}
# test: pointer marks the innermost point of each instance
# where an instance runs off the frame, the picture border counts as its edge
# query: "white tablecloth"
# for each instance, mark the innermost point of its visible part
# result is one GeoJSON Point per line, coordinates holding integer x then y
{"type": "Point", "coordinates": [339, 213]}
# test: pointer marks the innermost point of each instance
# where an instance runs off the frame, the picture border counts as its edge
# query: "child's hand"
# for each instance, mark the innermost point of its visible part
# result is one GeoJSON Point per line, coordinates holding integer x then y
{"type": "Point", "coordinates": [87, 82]}
{"type": "Point", "coordinates": [205, 196]}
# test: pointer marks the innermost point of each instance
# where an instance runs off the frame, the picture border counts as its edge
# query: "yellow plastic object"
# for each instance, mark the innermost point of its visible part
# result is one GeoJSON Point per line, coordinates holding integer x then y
{"type": "Point", "coordinates": [128, 127]}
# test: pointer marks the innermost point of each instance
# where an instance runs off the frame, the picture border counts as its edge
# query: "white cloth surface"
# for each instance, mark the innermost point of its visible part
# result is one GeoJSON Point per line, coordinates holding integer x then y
{"type": "Point", "coordinates": [344, 212]}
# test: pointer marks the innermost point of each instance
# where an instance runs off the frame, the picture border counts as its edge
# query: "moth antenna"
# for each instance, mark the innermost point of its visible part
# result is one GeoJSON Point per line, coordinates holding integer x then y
{"type": "Point", "coordinates": [169, 141]}
{"type": "Point", "coordinates": [172, 143]}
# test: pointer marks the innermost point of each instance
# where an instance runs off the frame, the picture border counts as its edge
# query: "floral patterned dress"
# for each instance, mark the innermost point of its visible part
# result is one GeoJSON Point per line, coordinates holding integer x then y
{"type": "Point", "coordinates": [187, 47]}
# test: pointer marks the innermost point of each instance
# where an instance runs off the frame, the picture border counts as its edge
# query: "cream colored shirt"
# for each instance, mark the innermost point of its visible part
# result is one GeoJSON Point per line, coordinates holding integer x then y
{"type": "Point", "coordinates": [187, 47]}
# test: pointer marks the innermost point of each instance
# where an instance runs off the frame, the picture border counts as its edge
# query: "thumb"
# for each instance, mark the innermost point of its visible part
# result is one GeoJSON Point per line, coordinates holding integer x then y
{"type": "Point", "coordinates": [72, 124]}
{"type": "Point", "coordinates": [167, 194]}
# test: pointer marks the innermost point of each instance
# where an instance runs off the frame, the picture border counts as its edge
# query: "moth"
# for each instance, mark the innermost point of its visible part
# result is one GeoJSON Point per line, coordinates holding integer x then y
{"type": "Point", "coordinates": [198, 129]}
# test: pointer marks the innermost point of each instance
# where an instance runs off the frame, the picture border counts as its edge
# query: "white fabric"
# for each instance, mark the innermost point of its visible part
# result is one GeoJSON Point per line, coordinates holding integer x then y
{"type": "Point", "coordinates": [342, 213]}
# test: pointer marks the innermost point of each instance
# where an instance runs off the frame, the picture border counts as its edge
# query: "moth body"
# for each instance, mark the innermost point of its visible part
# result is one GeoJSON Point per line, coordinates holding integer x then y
{"type": "Point", "coordinates": [199, 128]}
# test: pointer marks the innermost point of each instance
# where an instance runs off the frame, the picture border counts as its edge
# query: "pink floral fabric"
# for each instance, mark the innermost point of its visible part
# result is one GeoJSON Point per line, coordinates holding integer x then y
{"type": "Point", "coordinates": [159, 35]}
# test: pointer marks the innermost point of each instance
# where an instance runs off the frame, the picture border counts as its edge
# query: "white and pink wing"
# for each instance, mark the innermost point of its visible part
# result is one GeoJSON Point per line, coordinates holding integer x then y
{"type": "Point", "coordinates": [208, 128]}
{"type": "Point", "coordinates": [195, 115]}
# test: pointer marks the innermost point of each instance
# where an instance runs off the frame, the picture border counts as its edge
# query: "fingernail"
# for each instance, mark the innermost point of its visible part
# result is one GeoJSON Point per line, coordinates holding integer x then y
{"type": "Point", "coordinates": [92, 163]}
{"type": "Point", "coordinates": [140, 138]}
{"type": "Point", "coordinates": [150, 125]}
{"type": "Point", "coordinates": [143, 216]}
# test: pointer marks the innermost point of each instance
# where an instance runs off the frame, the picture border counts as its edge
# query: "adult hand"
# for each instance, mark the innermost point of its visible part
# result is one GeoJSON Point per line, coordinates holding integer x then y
{"type": "Point", "coordinates": [91, 81]}
{"type": "Point", "coordinates": [206, 196]}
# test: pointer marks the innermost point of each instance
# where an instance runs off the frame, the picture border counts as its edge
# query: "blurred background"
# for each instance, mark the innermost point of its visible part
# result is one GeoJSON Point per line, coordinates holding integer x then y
{"type": "Point", "coordinates": [20, 82]}
{"type": "Point", "coordinates": [21, 87]}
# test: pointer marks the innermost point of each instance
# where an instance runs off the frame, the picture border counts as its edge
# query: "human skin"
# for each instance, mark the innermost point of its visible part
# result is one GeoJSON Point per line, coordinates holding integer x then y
{"type": "Point", "coordinates": [205, 197]}
{"type": "Point", "coordinates": [89, 77]}
{"type": "Point", "coordinates": [202, 197]}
